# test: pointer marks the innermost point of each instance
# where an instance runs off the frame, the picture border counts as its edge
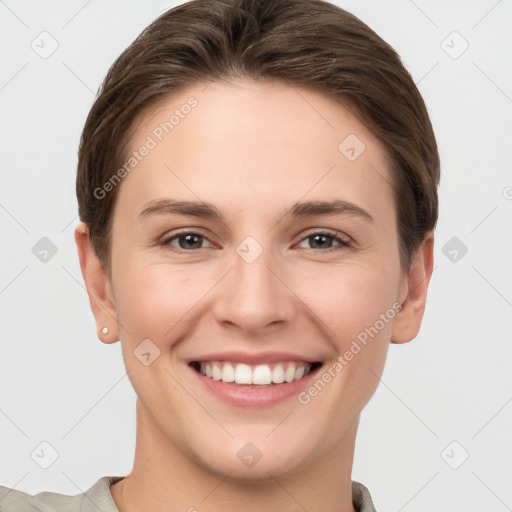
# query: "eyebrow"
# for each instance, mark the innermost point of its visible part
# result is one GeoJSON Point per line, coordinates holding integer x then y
{"type": "Point", "coordinates": [206, 210]}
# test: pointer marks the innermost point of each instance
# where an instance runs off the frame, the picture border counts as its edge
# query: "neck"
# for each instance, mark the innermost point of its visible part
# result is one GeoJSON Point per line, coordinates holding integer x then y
{"type": "Point", "coordinates": [164, 478]}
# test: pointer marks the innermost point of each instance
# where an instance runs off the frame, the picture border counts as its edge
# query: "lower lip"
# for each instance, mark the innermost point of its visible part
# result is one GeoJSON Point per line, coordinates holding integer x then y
{"type": "Point", "coordinates": [242, 395]}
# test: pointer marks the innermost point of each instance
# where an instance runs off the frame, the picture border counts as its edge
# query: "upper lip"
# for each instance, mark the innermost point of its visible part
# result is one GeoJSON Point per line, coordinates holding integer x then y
{"type": "Point", "coordinates": [254, 358]}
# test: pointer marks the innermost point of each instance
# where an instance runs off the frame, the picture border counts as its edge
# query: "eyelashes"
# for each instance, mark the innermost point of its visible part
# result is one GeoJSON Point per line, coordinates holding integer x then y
{"type": "Point", "coordinates": [318, 237]}
{"type": "Point", "coordinates": [343, 242]}
{"type": "Point", "coordinates": [183, 235]}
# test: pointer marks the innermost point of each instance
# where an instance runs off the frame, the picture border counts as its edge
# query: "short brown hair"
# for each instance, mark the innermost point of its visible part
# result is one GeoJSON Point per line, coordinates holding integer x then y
{"type": "Point", "coordinates": [303, 42]}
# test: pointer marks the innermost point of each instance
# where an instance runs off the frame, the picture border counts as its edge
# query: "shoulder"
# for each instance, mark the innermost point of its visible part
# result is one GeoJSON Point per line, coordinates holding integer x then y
{"type": "Point", "coordinates": [98, 496]}
{"type": "Point", "coordinates": [12, 500]}
{"type": "Point", "coordinates": [361, 498]}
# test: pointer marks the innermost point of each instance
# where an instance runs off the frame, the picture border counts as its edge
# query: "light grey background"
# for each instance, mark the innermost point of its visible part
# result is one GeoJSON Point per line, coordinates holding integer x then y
{"type": "Point", "coordinates": [59, 384]}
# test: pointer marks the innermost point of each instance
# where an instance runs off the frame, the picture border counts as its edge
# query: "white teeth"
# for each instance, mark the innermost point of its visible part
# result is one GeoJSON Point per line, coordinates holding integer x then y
{"type": "Point", "coordinates": [289, 374]}
{"type": "Point", "coordinates": [278, 374]}
{"type": "Point", "coordinates": [228, 373]}
{"type": "Point", "coordinates": [243, 374]}
{"type": "Point", "coordinates": [260, 375]}
{"type": "Point", "coordinates": [216, 372]}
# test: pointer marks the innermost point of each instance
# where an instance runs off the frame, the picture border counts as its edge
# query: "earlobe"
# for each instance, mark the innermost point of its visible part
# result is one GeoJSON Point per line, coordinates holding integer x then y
{"type": "Point", "coordinates": [98, 287]}
{"type": "Point", "coordinates": [406, 324]}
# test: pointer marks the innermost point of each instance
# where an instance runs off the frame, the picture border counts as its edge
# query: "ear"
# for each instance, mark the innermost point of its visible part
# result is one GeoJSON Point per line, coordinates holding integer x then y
{"type": "Point", "coordinates": [407, 322]}
{"type": "Point", "coordinates": [98, 286]}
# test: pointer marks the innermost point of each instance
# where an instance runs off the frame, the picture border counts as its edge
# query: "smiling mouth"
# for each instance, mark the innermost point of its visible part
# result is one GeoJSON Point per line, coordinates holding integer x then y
{"type": "Point", "coordinates": [254, 375]}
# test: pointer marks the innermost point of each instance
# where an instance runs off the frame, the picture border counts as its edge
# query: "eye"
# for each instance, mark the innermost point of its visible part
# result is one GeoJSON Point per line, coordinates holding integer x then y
{"type": "Point", "coordinates": [187, 241]}
{"type": "Point", "coordinates": [191, 241]}
{"type": "Point", "coordinates": [323, 240]}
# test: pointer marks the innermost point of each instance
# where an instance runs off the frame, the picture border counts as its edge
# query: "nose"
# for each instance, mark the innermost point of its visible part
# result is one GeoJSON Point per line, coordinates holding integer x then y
{"type": "Point", "coordinates": [255, 297]}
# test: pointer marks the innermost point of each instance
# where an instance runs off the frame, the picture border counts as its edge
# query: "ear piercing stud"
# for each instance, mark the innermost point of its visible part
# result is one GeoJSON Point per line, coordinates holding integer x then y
{"type": "Point", "coordinates": [104, 330]}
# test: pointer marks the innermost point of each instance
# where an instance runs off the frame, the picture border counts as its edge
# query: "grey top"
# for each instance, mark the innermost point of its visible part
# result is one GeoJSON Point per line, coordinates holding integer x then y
{"type": "Point", "coordinates": [98, 497]}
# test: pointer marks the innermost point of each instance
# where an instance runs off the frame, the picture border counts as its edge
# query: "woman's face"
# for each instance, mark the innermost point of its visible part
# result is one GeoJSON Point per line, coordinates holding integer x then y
{"type": "Point", "coordinates": [255, 238]}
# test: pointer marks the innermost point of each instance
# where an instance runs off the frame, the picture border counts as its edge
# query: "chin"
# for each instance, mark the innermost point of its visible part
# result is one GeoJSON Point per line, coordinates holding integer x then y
{"type": "Point", "coordinates": [251, 462]}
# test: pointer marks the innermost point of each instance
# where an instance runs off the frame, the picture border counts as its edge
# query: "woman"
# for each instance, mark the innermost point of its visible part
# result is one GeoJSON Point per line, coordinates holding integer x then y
{"type": "Point", "coordinates": [257, 187]}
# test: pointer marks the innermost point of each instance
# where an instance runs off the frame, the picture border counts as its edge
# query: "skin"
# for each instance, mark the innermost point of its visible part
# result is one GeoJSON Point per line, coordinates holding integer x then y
{"type": "Point", "coordinates": [252, 150]}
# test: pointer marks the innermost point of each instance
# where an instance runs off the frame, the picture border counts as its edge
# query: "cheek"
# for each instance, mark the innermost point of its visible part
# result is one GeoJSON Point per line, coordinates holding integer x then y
{"type": "Point", "coordinates": [349, 299]}
{"type": "Point", "coordinates": [354, 306]}
{"type": "Point", "coordinates": [160, 301]}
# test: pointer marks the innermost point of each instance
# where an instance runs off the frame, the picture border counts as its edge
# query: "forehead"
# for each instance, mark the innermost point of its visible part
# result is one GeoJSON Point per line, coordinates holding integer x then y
{"type": "Point", "coordinates": [255, 142]}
